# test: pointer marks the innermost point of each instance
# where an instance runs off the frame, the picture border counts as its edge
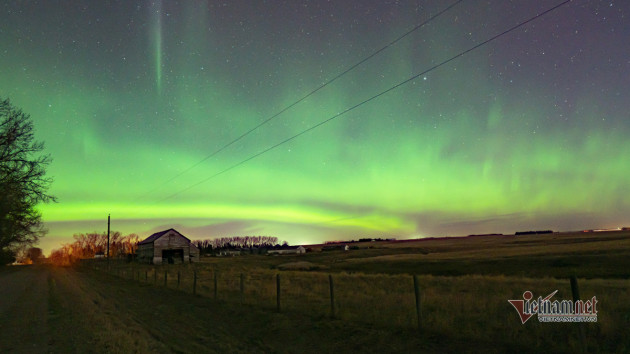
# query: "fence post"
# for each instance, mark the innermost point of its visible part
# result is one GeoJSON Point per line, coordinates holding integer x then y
{"type": "Point", "coordinates": [242, 288]}
{"type": "Point", "coordinates": [418, 300]}
{"type": "Point", "coordinates": [195, 282]}
{"type": "Point", "coordinates": [332, 296]}
{"type": "Point", "coordinates": [154, 276]}
{"type": "Point", "coordinates": [215, 285]}
{"type": "Point", "coordinates": [278, 292]}
{"type": "Point", "coordinates": [575, 291]}
{"type": "Point", "coordinates": [166, 278]}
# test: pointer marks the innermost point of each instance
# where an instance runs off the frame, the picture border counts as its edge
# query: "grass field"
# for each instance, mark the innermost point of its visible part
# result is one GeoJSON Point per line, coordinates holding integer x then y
{"type": "Point", "coordinates": [464, 283]}
{"type": "Point", "coordinates": [68, 310]}
{"type": "Point", "coordinates": [586, 255]}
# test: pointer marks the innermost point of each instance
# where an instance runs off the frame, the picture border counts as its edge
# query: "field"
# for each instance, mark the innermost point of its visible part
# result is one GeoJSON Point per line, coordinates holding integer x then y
{"type": "Point", "coordinates": [64, 310]}
{"type": "Point", "coordinates": [464, 286]}
{"type": "Point", "coordinates": [560, 255]}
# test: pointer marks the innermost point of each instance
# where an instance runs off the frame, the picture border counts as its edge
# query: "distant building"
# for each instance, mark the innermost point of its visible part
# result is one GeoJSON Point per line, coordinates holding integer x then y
{"type": "Point", "coordinates": [538, 232]}
{"type": "Point", "coordinates": [335, 248]}
{"type": "Point", "coordinates": [167, 247]}
{"type": "Point", "coordinates": [288, 250]}
{"type": "Point", "coordinates": [229, 253]}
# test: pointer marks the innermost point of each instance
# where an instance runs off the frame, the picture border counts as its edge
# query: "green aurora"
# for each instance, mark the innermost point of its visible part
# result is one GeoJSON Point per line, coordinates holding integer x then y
{"type": "Point", "coordinates": [528, 132]}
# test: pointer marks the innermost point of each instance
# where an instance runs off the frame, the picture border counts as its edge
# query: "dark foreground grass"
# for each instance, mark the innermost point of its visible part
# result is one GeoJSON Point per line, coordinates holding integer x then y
{"type": "Point", "coordinates": [470, 308]}
{"type": "Point", "coordinates": [465, 285]}
{"type": "Point", "coordinates": [186, 323]}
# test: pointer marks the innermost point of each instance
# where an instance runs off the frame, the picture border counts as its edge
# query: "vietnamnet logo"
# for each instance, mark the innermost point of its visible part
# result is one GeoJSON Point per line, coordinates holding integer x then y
{"type": "Point", "coordinates": [555, 311]}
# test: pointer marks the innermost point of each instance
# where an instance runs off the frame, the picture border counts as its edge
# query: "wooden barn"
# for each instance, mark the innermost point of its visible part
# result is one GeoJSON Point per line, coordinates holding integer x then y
{"type": "Point", "coordinates": [167, 247]}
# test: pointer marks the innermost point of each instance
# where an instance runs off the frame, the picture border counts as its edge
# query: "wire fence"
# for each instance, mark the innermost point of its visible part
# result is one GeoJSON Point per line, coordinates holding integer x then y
{"type": "Point", "coordinates": [350, 297]}
{"type": "Point", "coordinates": [470, 306]}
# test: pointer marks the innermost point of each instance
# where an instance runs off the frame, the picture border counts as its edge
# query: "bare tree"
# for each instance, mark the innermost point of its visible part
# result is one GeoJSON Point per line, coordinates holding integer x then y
{"type": "Point", "coordinates": [243, 241]}
{"type": "Point", "coordinates": [23, 181]}
{"type": "Point", "coordinates": [88, 245]}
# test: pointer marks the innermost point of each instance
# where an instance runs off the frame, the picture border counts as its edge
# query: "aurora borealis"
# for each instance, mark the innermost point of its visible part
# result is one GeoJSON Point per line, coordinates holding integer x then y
{"type": "Point", "coordinates": [527, 132]}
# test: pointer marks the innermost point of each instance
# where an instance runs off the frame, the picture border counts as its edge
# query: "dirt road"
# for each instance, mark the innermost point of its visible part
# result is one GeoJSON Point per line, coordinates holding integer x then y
{"type": "Point", "coordinates": [23, 310]}
{"type": "Point", "coordinates": [63, 310]}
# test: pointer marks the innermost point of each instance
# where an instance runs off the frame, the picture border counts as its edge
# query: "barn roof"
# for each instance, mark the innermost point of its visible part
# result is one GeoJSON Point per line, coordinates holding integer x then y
{"type": "Point", "coordinates": [157, 235]}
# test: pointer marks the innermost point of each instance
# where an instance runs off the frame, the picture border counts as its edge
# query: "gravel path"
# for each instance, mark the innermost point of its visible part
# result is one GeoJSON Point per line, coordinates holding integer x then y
{"type": "Point", "coordinates": [24, 310]}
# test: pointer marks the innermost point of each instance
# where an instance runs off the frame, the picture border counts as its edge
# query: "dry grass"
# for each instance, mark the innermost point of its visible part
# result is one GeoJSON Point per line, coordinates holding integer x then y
{"type": "Point", "coordinates": [469, 306]}
{"type": "Point", "coordinates": [509, 246]}
{"type": "Point", "coordinates": [588, 255]}
{"type": "Point", "coordinates": [94, 323]}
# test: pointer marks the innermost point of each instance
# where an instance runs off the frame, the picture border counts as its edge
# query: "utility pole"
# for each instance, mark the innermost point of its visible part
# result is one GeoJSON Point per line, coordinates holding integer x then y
{"type": "Point", "coordinates": [108, 221]}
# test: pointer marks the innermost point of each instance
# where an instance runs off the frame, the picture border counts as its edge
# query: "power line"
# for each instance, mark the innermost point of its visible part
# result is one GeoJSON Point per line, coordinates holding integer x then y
{"type": "Point", "coordinates": [371, 98]}
{"type": "Point", "coordinates": [307, 95]}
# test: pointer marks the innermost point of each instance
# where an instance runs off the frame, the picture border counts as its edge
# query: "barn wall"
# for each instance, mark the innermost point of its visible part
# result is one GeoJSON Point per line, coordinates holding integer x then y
{"type": "Point", "coordinates": [172, 240]}
{"type": "Point", "coordinates": [169, 241]}
{"type": "Point", "coordinates": [145, 253]}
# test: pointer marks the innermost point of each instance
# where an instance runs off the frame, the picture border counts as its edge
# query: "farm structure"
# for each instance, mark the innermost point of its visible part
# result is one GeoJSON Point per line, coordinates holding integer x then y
{"type": "Point", "coordinates": [335, 247]}
{"type": "Point", "coordinates": [288, 250]}
{"type": "Point", "coordinates": [168, 246]}
{"type": "Point", "coordinates": [230, 253]}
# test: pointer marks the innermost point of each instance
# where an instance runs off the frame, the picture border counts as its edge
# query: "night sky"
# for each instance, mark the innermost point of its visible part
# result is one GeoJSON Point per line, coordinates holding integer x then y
{"type": "Point", "coordinates": [531, 131]}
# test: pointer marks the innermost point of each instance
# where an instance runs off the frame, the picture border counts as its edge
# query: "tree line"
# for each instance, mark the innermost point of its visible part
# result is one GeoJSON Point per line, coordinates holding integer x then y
{"type": "Point", "coordinates": [236, 242]}
{"type": "Point", "coordinates": [92, 244]}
